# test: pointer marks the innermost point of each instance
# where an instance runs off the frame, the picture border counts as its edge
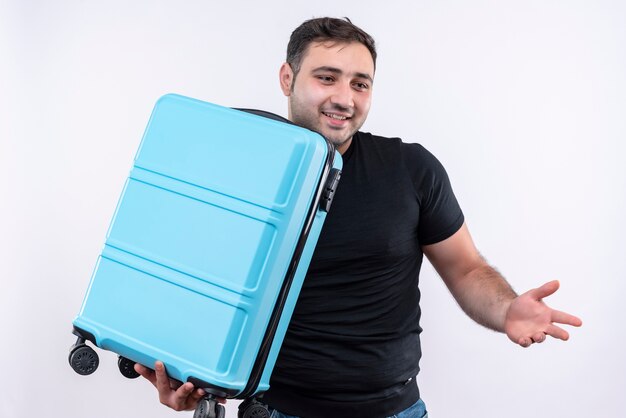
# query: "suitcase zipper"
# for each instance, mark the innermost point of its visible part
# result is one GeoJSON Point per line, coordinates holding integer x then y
{"type": "Point", "coordinates": [323, 198]}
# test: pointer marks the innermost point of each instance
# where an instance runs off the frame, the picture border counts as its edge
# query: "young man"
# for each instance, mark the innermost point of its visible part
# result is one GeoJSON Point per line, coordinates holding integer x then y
{"type": "Point", "coordinates": [353, 345]}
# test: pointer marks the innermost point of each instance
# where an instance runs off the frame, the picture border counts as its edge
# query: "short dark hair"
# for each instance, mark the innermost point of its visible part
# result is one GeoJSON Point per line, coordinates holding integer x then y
{"type": "Point", "coordinates": [325, 29]}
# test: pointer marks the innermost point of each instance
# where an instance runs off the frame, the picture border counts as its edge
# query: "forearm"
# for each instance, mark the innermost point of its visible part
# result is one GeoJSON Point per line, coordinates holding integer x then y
{"type": "Point", "coordinates": [478, 288]}
{"type": "Point", "coordinates": [487, 298]}
{"type": "Point", "coordinates": [484, 295]}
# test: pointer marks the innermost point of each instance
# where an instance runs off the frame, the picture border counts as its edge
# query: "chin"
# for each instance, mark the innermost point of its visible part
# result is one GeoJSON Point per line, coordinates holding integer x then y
{"type": "Point", "coordinates": [337, 142]}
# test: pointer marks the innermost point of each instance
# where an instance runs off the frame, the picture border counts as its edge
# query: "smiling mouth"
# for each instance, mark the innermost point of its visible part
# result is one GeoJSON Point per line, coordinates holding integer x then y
{"type": "Point", "coordinates": [335, 116]}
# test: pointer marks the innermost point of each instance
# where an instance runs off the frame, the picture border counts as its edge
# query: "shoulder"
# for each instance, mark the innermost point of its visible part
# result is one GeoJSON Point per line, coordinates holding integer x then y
{"type": "Point", "coordinates": [377, 141]}
{"type": "Point", "coordinates": [415, 156]}
{"type": "Point", "coordinates": [381, 146]}
{"type": "Point", "coordinates": [418, 157]}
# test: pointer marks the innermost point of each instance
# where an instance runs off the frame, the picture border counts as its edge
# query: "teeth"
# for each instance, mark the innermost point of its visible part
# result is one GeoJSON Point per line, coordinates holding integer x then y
{"type": "Point", "coordinates": [331, 115]}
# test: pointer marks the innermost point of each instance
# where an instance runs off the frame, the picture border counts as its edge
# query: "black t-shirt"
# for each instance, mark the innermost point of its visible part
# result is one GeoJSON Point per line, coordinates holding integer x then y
{"type": "Point", "coordinates": [352, 347]}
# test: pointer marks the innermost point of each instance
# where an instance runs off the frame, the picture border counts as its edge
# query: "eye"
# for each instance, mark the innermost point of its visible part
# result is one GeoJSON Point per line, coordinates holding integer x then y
{"type": "Point", "coordinates": [326, 79]}
{"type": "Point", "coordinates": [360, 86]}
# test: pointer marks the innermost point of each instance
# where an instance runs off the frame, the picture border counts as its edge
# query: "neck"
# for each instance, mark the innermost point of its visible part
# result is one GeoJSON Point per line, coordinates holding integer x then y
{"type": "Point", "coordinates": [344, 147]}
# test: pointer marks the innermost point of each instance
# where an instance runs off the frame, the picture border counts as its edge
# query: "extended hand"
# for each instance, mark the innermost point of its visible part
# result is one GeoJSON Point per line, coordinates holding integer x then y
{"type": "Point", "coordinates": [529, 320]}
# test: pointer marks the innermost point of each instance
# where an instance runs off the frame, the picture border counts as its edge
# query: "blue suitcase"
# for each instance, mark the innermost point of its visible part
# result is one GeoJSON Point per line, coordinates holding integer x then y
{"type": "Point", "coordinates": [208, 248]}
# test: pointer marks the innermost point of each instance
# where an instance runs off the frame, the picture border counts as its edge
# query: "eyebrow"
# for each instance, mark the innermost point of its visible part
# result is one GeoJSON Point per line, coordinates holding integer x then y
{"type": "Point", "coordinates": [338, 71]}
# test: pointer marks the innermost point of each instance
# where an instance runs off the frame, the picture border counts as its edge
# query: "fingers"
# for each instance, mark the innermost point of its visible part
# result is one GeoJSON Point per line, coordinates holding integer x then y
{"type": "Point", "coordinates": [162, 381]}
{"type": "Point", "coordinates": [535, 339]}
{"type": "Point", "coordinates": [539, 337]}
{"type": "Point", "coordinates": [181, 399]}
{"type": "Point", "coordinates": [146, 373]}
{"type": "Point", "coordinates": [196, 396]}
{"type": "Point", "coordinates": [184, 397]}
{"type": "Point", "coordinates": [557, 332]}
{"type": "Point", "coordinates": [174, 394]}
{"type": "Point", "coordinates": [545, 290]}
{"type": "Point", "coordinates": [565, 318]}
{"type": "Point", "coordinates": [525, 342]}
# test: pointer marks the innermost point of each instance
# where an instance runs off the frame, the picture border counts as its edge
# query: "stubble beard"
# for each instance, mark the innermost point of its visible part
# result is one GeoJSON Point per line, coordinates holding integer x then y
{"type": "Point", "coordinates": [307, 119]}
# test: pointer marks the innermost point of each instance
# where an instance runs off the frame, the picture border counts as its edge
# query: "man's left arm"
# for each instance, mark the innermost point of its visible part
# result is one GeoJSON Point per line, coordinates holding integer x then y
{"type": "Point", "coordinates": [487, 298]}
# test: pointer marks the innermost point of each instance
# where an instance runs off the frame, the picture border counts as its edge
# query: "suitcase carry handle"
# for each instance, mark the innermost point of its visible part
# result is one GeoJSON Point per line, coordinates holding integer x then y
{"type": "Point", "coordinates": [265, 114]}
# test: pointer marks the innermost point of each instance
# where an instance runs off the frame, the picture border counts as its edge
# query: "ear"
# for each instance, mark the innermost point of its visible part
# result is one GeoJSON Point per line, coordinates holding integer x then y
{"type": "Point", "coordinates": [286, 78]}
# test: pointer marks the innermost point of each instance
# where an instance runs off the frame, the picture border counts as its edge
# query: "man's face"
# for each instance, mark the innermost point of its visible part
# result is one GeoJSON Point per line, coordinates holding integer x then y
{"type": "Point", "coordinates": [332, 92]}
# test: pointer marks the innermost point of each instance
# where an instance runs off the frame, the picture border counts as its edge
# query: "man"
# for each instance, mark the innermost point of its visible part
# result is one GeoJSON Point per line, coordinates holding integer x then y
{"type": "Point", "coordinates": [352, 348]}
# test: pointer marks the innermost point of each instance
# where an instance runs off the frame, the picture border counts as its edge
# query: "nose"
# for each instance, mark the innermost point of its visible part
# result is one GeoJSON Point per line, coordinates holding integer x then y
{"type": "Point", "coordinates": [342, 96]}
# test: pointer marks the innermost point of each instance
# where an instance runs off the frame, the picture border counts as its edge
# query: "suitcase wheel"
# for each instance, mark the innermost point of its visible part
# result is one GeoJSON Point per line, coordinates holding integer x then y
{"type": "Point", "coordinates": [209, 408]}
{"type": "Point", "coordinates": [83, 359]}
{"type": "Point", "coordinates": [127, 367]}
{"type": "Point", "coordinates": [251, 408]}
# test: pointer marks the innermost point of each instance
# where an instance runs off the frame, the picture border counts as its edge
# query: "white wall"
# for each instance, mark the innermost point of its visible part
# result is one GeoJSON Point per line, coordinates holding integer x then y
{"type": "Point", "coordinates": [524, 102]}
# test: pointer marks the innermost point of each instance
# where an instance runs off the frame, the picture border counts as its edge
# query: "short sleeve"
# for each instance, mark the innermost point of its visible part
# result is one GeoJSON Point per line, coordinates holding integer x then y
{"type": "Point", "coordinates": [440, 214]}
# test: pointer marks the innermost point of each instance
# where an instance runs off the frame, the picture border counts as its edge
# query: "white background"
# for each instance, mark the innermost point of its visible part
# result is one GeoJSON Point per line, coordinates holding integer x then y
{"type": "Point", "coordinates": [523, 101]}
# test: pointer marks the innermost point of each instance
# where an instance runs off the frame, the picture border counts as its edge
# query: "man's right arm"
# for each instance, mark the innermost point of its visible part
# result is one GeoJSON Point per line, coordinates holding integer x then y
{"type": "Point", "coordinates": [487, 297]}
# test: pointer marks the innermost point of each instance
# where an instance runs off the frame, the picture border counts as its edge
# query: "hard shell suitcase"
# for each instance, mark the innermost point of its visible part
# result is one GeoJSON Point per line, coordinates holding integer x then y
{"type": "Point", "coordinates": [208, 249]}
